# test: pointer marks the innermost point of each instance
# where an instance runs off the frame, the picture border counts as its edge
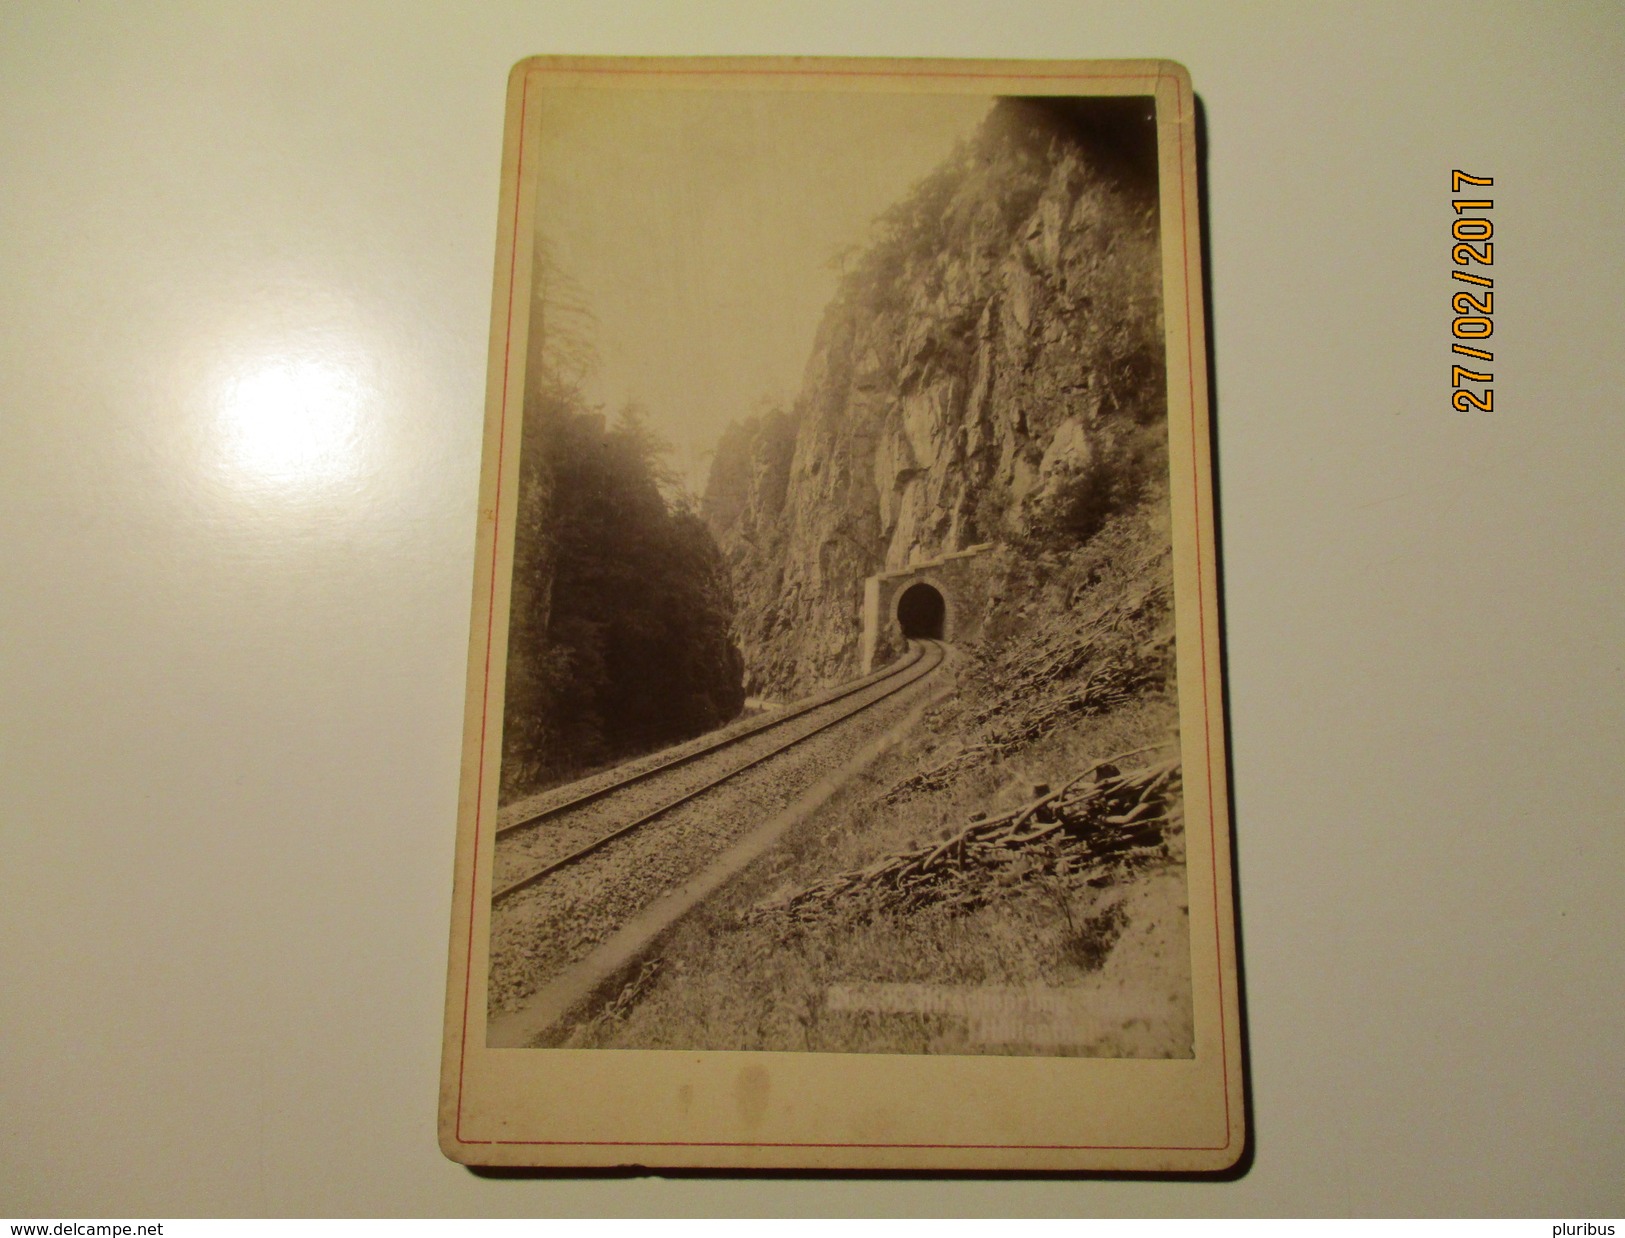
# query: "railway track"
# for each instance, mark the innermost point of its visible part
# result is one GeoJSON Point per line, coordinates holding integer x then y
{"type": "Point", "coordinates": [915, 653]}
{"type": "Point", "coordinates": [618, 809]}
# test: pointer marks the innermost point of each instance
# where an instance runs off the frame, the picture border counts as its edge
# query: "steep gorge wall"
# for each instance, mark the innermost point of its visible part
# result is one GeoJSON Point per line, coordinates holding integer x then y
{"type": "Point", "coordinates": [998, 342]}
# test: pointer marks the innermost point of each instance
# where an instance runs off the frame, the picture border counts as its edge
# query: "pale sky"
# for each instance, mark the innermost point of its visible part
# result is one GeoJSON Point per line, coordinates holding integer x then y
{"type": "Point", "coordinates": [701, 224]}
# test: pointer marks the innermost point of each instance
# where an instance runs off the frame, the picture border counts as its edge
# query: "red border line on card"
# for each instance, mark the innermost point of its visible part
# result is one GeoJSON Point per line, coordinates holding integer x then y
{"type": "Point", "coordinates": [490, 602]}
{"type": "Point", "coordinates": [965, 1147]}
{"type": "Point", "coordinates": [878, 73]}
{"type": "Point", "coordinates": [1187, 110]}
{"type": "Point", "coordinates": [1201, 615]}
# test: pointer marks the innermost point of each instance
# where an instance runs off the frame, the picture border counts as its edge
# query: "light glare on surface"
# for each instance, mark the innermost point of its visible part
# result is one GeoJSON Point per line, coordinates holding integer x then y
{"type": "Point", "coordinates": [292, 422]}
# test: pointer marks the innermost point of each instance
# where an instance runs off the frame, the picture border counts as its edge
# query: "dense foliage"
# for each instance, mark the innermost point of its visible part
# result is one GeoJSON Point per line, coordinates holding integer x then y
{"type": "Point", "coordinates": [619, 629]}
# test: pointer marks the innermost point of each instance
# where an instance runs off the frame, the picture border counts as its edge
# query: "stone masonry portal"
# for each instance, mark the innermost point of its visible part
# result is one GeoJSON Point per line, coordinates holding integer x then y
{"type": "Point", "coordinates": [943, 598]}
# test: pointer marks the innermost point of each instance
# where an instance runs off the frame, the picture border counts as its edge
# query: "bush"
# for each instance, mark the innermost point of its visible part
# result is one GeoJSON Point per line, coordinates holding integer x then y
{"type": "Point", "coordinates": [1123, 472]}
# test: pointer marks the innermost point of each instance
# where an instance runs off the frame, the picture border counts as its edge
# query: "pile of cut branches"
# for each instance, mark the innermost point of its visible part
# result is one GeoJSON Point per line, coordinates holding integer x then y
{"type": "Point", "coordinates": [1099, 817]}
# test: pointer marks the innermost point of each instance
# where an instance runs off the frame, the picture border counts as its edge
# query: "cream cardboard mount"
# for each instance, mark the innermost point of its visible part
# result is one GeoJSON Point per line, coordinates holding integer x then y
{"type": "Point", "coordinates": [953, 890]}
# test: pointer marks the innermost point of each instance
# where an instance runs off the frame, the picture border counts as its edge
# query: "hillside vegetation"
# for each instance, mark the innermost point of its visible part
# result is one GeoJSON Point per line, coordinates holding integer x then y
{"type": "Point", "coordinates": [620, 626]}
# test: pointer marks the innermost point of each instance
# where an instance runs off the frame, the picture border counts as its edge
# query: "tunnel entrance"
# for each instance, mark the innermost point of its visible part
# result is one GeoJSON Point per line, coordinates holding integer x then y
{"type": "Point", "coordinates": [921, 610]}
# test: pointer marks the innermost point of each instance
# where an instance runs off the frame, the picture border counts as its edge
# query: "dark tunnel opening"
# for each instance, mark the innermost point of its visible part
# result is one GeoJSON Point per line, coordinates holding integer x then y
{"type": "Point", "coordinates": [921, 611]}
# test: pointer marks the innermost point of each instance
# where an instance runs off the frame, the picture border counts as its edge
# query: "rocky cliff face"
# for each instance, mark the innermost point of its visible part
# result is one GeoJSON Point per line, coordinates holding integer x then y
{"type": "Point", "coordinates": [993, 358]}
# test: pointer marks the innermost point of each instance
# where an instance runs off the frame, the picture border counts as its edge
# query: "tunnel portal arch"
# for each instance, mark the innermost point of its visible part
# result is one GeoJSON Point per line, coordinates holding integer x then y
{"type": "Point", "coordinates": [921, 611]}
{"type": "Point", "coordinates": [939, 599]}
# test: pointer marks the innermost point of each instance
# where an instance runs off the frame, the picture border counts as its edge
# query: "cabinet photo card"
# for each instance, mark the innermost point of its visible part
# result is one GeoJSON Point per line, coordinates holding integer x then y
{"type": "Point", "coordinates": [843, 781]}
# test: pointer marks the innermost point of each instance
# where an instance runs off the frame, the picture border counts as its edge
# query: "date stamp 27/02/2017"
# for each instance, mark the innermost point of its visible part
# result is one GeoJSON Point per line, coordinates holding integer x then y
{"type": "Point", "coordinates": [1473, 324]}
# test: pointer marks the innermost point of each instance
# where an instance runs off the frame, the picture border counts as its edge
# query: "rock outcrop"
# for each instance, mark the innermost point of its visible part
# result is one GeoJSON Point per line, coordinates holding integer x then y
{"type": "Point", "coordinates": [998, 346]}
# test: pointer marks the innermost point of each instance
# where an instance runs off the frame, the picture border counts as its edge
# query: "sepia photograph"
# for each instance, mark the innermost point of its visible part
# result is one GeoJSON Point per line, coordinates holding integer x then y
{"type": "Point", "coordinates": [832, 700]}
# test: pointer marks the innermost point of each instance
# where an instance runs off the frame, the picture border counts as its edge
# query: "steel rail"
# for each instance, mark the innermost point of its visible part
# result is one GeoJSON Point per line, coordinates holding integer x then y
{"type": "Point", "coordinates": [549, 869]}
{"type": "Point", "coordinates": [766, 724]}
